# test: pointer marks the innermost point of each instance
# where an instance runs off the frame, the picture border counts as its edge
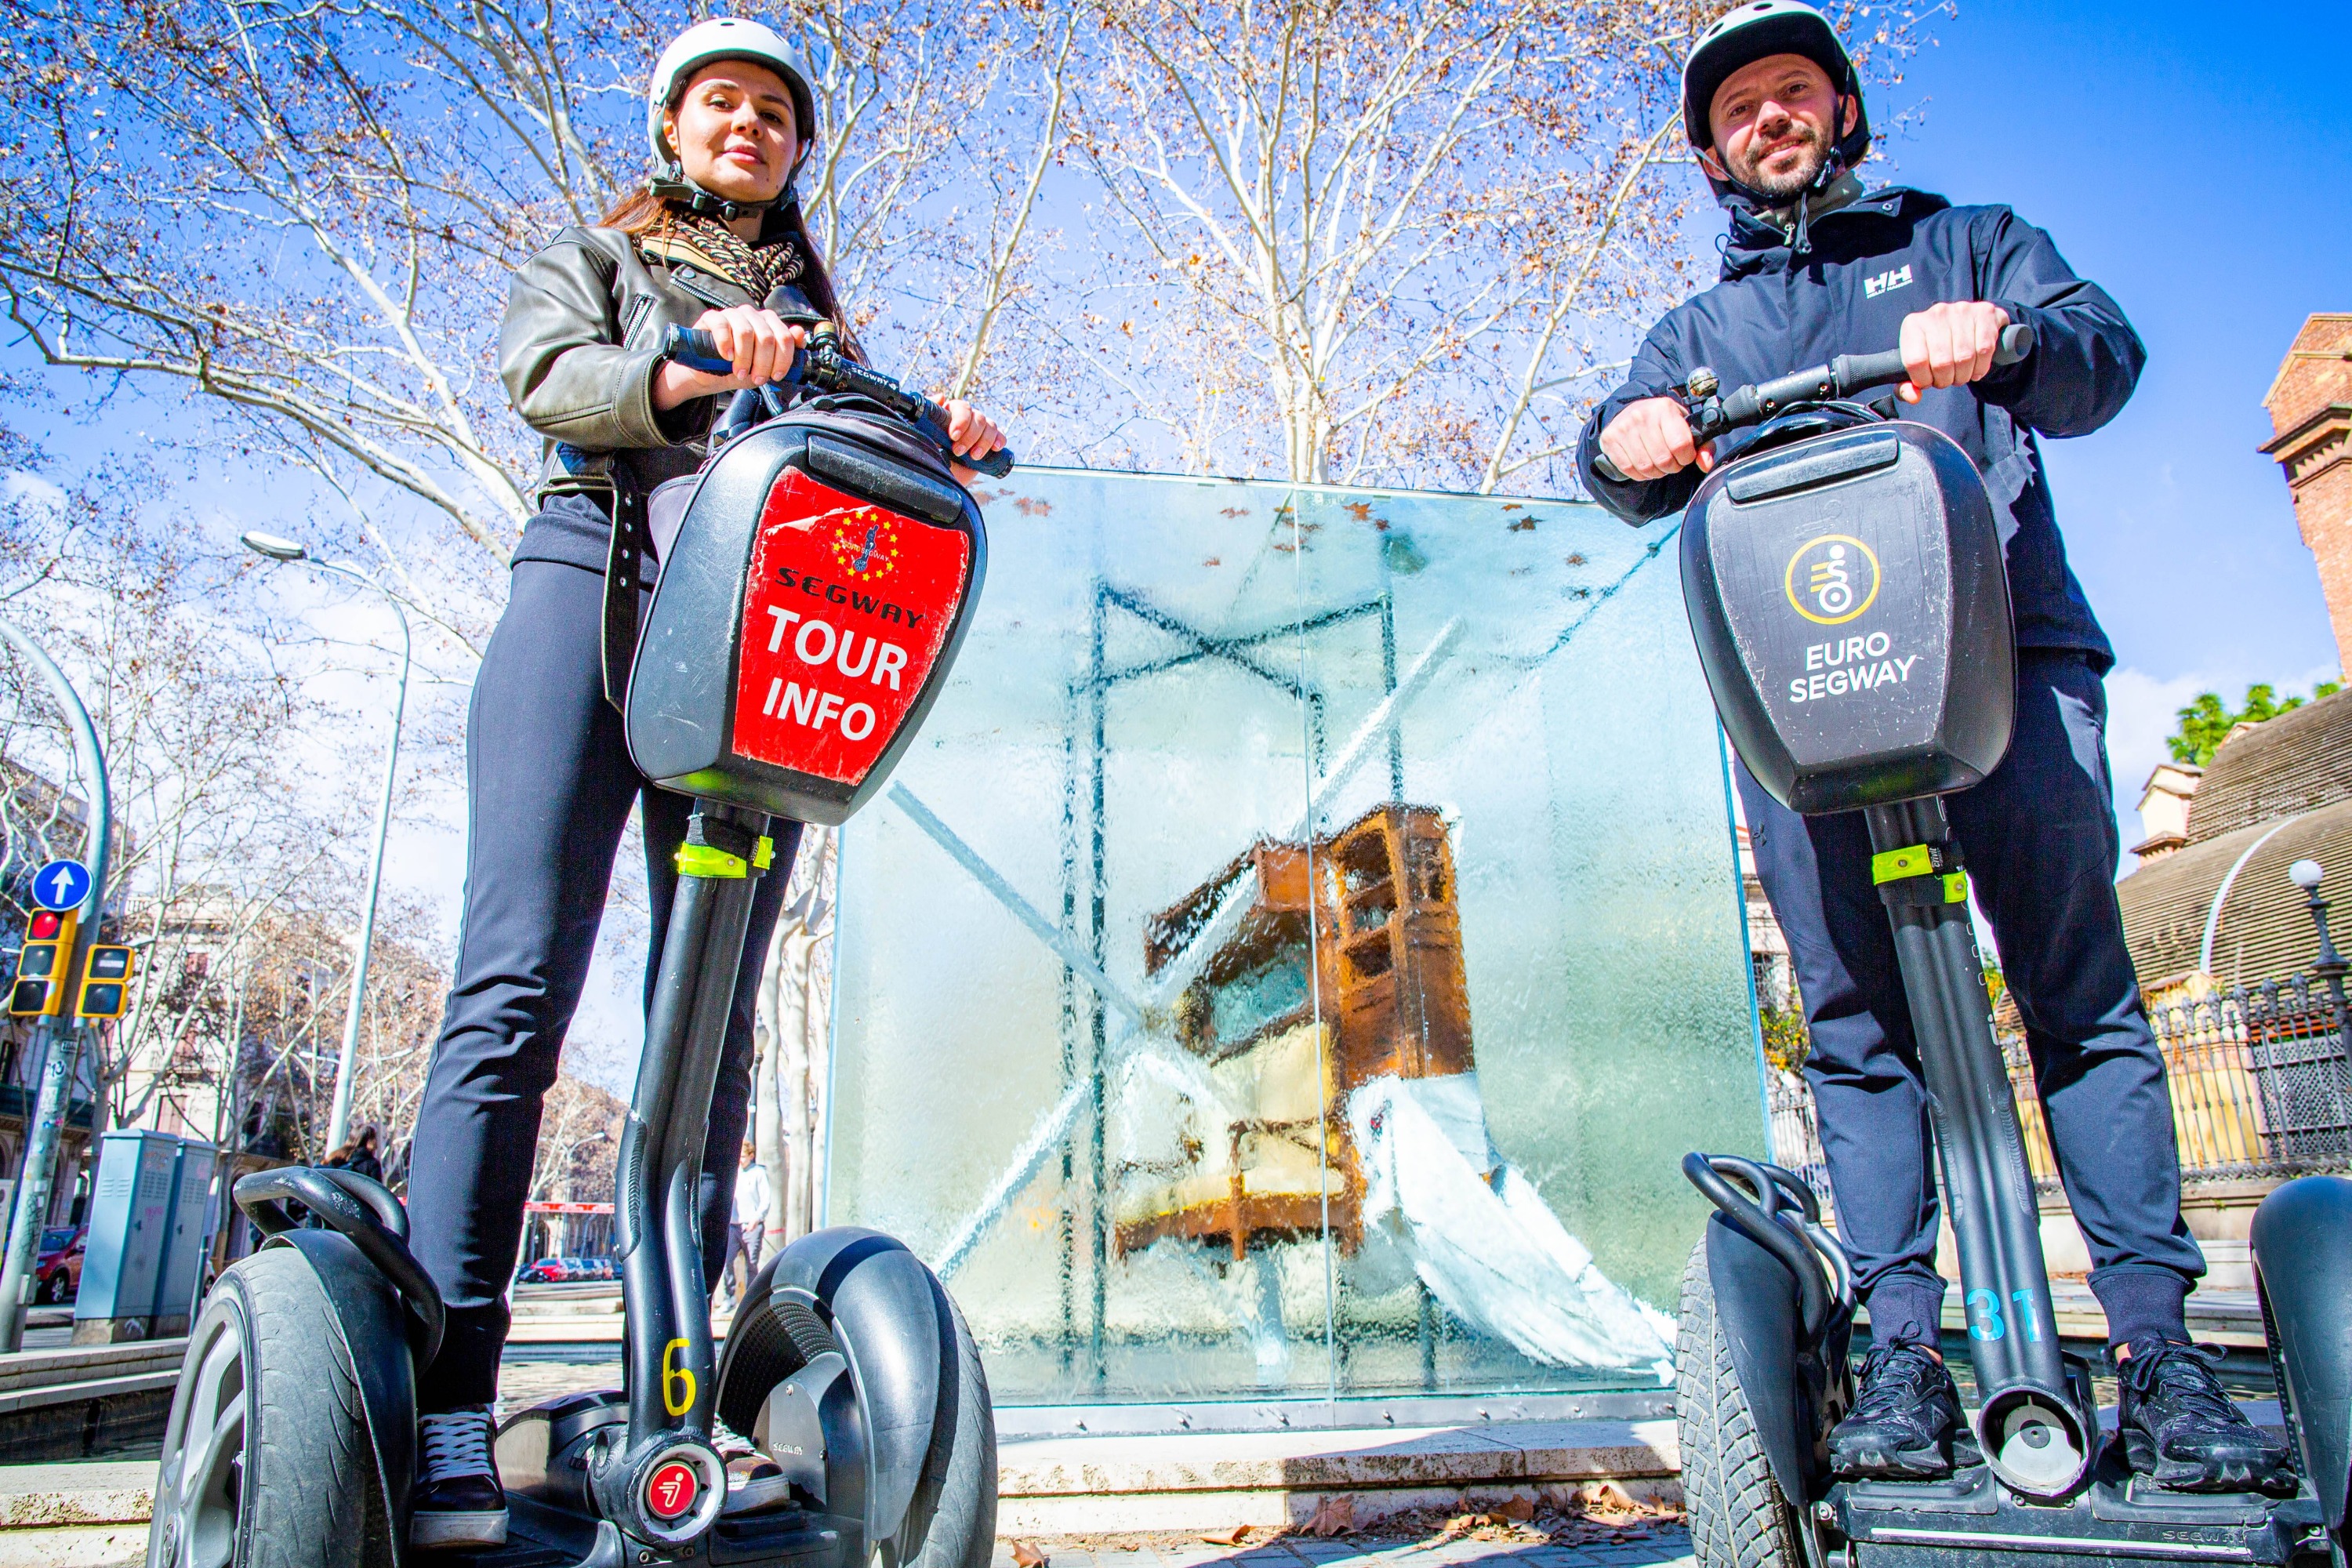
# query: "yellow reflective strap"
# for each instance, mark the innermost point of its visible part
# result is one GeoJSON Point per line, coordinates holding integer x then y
{"type": "Point", "coordinates": [1894, 864]}
{"type": "Point", "coordinates": [1955, 888]}
{"type": "Point", "coordinates": [707, 860]}
{"type": "Point", "coordinates": [764, 853]}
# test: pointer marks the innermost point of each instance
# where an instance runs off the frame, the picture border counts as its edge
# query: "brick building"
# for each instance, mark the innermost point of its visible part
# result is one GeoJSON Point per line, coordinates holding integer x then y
{"type": "Point", "coordinates": [2310, 403]}
{"type": "Point", "coordinates": [2211, 903]}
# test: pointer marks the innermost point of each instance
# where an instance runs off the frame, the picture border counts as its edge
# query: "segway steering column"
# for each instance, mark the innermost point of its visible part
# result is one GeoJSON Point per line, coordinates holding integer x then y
{"type": "Point", "coordinates": [2037, 1423]}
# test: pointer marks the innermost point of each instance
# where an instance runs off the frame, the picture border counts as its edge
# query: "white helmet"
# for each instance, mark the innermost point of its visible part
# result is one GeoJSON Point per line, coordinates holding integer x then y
{"type": "Point", "coordinates": [1756, 30]}
{"type": "Point", "coordinates": [724, 38]}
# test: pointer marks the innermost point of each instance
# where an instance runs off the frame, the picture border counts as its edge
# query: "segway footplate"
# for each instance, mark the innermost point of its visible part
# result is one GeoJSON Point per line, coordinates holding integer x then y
{"type": "Point", "coordinates": [1971, 1519]}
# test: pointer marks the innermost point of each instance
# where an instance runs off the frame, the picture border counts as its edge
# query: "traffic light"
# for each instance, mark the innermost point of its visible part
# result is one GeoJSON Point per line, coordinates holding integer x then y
{"type": "Point", "coordinates": [105, 983]}
{"type": "Point", "coordinates": [40, 988]}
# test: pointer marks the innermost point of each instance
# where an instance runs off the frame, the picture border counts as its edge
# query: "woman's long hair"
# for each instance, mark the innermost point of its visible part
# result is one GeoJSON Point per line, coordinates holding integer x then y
{"type": "Point", "coordinates": [641, 213]}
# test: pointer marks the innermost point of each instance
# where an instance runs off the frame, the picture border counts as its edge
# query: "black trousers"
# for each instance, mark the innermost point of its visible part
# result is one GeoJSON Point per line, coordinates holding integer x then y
{"type": "Point", "coordinates": [2040, 842]}
{"type": "Point", "coordinates": [548, 789]}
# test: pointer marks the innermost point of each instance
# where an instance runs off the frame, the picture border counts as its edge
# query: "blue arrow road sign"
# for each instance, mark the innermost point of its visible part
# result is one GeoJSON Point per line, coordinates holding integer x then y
{"type": "Point", "coordinates": [61, 885]}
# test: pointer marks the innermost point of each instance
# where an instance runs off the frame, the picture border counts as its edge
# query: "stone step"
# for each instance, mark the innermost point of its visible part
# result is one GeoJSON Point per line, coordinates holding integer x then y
{"type": "Point", "coordinates": [1064, 1486]}
{"type": "Point", "coordinates": [30, 1371]}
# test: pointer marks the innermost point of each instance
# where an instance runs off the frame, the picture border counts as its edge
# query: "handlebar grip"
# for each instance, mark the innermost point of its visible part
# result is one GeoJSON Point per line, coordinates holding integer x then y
{"type": "Point", "coordinates": [996, 465]}
{"type": "Point", "coordinates": [2016, 342]}
{"type": "Point", "coordinates": [695, 350]}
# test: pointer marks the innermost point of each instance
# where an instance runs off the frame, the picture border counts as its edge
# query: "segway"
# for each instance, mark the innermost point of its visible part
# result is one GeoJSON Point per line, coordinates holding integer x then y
{"type": "Point", "coordinates": [815, 579]}
{"type": "Point", "coordinates": [1844, 580]}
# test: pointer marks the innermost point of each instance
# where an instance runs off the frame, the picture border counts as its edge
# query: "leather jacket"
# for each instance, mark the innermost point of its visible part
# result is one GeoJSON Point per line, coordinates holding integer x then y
{"type": "Point", "coordinates": [579, 347]}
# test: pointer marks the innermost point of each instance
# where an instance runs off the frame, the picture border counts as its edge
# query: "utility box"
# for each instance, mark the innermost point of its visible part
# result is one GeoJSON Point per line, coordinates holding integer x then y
{"type": "Point", "coordinates": [146, 1238]}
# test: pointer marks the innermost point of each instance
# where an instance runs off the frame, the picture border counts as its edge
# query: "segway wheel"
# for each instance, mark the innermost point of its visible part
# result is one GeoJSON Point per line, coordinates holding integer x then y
{"type": "Point", "coordinates": [952, 1522]}
{"type": "Point", "coordinates": [1738, 1516]}
{"type": "Point", "coordinates": [266, 1456]}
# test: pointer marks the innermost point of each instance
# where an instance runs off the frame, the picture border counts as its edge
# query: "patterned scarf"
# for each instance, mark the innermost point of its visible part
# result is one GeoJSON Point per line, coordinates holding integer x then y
{"type": "Point", "coordinates": [754, 268]}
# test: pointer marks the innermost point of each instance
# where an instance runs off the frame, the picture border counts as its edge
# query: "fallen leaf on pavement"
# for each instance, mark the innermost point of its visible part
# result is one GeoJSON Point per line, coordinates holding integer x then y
{"type": "Point", "coordinates": [1333, 1516]}
{"type": "Point", "coordinates": [1029, 1556]}
{"type": "Point", "coordinates": [1233, 1537]}
{"type": "Point", "coordinates": [1517, 1508]}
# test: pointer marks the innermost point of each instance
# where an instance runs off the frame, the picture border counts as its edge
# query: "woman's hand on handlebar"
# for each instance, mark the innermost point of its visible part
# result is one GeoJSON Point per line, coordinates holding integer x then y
{"type": "Point", "coordinates": [972, 434]}
{"type": "Point", "coordinates": [760, 344]}
{"type": "Point", "coordinates": [1652, 438]}
{"type": "Point", "coordinates": [1950, 344]}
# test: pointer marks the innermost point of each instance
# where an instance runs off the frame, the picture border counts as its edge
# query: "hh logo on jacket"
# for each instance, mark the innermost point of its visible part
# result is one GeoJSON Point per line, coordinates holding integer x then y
{"type": "Point", "coordinates": [1872, 287]}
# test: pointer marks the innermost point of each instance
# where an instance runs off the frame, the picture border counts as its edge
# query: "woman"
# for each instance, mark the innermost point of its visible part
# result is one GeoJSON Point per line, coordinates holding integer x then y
{"type": "Point", "coordinates": [715, 240]}
{"type": "Point", "coordinates": [358, 1154]}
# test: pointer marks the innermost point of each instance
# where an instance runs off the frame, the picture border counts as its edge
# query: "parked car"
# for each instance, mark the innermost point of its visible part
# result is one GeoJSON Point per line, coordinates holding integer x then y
{"type": "Point", "coordinates": [567, 1270]}
{"type": "Point", "coordinates": [57, 1273]}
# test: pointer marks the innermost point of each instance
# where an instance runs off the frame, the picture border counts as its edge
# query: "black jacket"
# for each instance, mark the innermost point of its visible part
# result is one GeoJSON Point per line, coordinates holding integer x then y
{"type": "Point", "coordinates": [578, 350]}
{"type": "Point", "coordinates": [1867, 266]}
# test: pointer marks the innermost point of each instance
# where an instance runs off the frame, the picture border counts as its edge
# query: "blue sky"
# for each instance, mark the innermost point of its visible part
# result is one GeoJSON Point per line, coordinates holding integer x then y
{"type": "Point", "coordinates": [2191, 159]}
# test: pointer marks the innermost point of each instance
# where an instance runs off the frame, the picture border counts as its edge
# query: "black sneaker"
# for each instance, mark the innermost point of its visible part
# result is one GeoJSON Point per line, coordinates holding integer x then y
{"type": "Point", "coordinates": [458, 1500]}
{"type": "Point", "coordinates": [2180, 1429]}
{"type": "Point", "coordinates": [1904, 1416]}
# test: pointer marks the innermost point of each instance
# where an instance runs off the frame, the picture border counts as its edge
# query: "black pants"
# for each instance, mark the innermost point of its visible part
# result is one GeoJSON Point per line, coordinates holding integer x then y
{"type": "Point", "coordinates": [2039, 840]}
{"type": "Point", "coordinates": [548, 789]}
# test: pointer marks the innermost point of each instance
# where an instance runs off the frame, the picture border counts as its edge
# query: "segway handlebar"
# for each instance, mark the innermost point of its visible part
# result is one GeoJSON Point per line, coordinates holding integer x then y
{"type": "Point", "coordinates": [824, 365]}
{"type": "Point", "coordinates": [364, 1211]}
{"type": "Point", "coordinates": [1843, 377]}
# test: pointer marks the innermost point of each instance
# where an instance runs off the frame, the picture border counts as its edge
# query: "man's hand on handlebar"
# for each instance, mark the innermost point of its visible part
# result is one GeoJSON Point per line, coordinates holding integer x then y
{"type": "Point", "coordinates": [760, 343]}
{"type": "Point", "coordinates": [1950, 344]}
{"type": "Point", "coordinates": [1652, 438]}
{"type": "Point", "coordinates": [970, 433]}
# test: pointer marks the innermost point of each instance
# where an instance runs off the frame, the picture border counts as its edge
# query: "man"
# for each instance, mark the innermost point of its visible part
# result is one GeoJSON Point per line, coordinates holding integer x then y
{"type": "Point", "coordinates": [751, 1226]}
{"type": "Point", "coordinates": [1816, 266]}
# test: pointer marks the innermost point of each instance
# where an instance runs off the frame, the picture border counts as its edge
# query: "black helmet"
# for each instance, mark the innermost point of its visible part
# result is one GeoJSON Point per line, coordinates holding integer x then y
{"type": "Point", "coordinates": [1757, 30]}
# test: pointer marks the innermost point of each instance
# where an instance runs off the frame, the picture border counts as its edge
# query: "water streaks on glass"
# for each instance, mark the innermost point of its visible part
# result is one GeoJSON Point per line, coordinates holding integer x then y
{"type": "Point", "coordinates": [1299, 948]}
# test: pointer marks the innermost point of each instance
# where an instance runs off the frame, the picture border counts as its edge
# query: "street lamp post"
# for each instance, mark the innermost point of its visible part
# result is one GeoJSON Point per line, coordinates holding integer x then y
{"type": "Point", "coordinates": [2330, 965]}
{"type": "Point", "coordinates": [62, 1039]}
{"type": "Point", "coordinates": [347, 1070]}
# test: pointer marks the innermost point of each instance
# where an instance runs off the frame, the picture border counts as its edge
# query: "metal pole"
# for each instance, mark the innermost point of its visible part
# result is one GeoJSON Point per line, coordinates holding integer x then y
{"type": "Point", "coordinates": [62, 1041]}
{"type": "Point", "coordinates": [347, 1069]}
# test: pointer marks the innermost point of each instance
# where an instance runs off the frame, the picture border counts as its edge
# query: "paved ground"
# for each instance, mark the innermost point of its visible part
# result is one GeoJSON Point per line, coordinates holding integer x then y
{"type": "Point", "coordinates": [1660, 1545]}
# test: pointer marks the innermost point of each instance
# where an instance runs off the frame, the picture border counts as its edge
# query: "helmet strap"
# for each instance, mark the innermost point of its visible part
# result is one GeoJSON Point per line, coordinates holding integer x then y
{"type": "Point", "coordinates": [669, 182]}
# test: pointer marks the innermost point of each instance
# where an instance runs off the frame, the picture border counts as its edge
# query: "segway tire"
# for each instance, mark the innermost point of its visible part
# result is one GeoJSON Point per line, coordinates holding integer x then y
{"type": "Point", "coordinates": [265, 1460]}
{"type": "Point", "coordinates": [951, 1521]}
{"type": "Point", "coordinates": [1738, 1516]}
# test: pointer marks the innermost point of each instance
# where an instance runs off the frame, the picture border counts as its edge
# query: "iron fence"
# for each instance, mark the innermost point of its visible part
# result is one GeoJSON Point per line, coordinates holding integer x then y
{"type": "Point", "coordinates": [2261, 1078]}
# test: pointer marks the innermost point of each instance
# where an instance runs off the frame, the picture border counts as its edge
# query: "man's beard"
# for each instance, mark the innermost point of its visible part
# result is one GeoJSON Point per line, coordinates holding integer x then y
{"type": "Point", "coordinates": [1780, 187]}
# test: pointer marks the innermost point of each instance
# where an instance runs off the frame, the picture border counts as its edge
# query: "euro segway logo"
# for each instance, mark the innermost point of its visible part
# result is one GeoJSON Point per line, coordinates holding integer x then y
{"type": "Point", "coordinates": [1832, 579]}
{"type": "Point", "coordinates": [865, 545]}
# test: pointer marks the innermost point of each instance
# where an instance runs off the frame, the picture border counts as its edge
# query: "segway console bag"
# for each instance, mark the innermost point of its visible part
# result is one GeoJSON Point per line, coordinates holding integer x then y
{"type": "Point", "coordinates": [806, 614]}
{"type": "Point", "coordinates": [1850, 610]}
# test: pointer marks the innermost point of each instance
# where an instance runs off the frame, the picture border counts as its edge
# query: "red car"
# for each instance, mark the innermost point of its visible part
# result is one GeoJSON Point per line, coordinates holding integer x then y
{"type": "Point", "coordinates": [57, 1274]}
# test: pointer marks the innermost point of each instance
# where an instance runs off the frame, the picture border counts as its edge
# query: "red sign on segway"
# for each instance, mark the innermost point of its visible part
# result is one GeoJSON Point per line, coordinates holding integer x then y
{"type": "Point", "coordinates": [671, 1491]}
{"type": "Point", "coordinates": [848, 606]}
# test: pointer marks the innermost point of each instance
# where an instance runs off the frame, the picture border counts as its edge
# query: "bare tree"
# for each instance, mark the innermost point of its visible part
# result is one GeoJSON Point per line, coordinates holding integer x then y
{"type": "Point", "coordinates": [794, 1027]}
{"type": "Point", "coordinates": [306, 214]}
{"type": "Point", "coordinates": [579, 1144]}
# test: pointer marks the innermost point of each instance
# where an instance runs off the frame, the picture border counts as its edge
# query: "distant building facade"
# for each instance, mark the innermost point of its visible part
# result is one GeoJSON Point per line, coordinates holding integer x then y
{"type": "Point", "coordinates": [2211, 905]}
{"type": "Point", "coordinates": [2310, 403]}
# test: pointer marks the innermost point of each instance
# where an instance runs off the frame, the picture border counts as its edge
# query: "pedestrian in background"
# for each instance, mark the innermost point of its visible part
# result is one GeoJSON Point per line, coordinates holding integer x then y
{"type": "Point", "coordinates": [358, 1154]}
{"type": "Point", "coordinates": [751, 1194]}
